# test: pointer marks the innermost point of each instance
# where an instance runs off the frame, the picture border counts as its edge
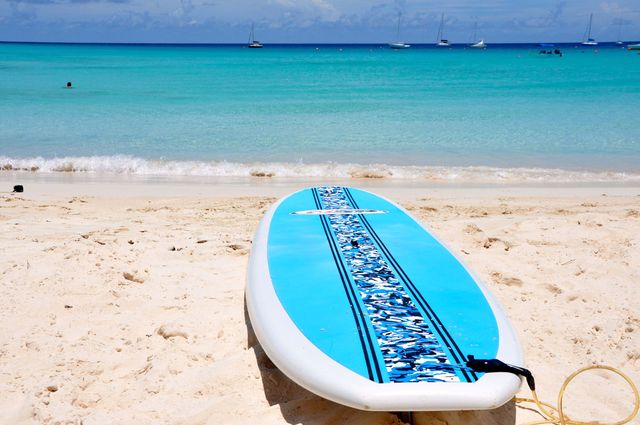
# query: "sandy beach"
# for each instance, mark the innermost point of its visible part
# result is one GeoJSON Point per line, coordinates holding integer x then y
{"type": "Point", "coordinates": [124, 302]}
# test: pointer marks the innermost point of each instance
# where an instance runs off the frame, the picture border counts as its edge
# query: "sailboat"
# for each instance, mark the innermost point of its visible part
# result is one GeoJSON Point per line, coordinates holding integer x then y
{"type": "Point", "coordinates": [586, 39]}
{"type": "Point", "coordinates": [399, 44]}
{"type": "Point", "coordinates": [619, 41]}
{"type": "Point", "coordinates": [253, 43]}
{"type": "Point", "coordinates": [441, 42]}
{"type": "Point", "coordinates": [479, 44]}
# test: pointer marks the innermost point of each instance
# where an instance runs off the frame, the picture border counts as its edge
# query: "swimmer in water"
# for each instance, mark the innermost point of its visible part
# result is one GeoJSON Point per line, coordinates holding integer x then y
{"type": "Point", "coordinates": [69, 86]}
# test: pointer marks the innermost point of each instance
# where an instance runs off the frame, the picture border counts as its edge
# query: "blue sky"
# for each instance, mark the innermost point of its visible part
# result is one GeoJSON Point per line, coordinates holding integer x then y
{"type": "Point", "coordinates": [308, 21]}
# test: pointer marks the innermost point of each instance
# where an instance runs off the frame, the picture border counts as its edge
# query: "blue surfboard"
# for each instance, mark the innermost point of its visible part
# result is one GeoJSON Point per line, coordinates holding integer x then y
{"type": "Point", "coordinates": [357, 302]}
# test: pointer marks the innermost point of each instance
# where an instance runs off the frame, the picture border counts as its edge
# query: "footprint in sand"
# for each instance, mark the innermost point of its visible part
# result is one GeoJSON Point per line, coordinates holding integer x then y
{"type": "Point", "coordinates": [428, 209]}
{"type": "Point", "coordinates": [554, 289]}
{"type": "Point", "coordinates": [132, 277]}
{"type": "Point", "coordinates": [489, 242]}
{"type": "Point", "coordinates": [472, 229]}
{"type": "Point", "coordinates": [633, 213]}
{"type": "Point", "coordinates": [498, 278]}
{"type": "Point", "coordinates": [76, 199]}
{"type": "Point", "coordinates": [238, 249]}
{"type": "Point", "coordinates": [171, 331]}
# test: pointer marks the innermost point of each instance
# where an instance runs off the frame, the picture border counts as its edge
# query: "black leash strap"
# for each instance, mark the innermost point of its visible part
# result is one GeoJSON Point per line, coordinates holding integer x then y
{"type": "Point", "coordinates": [495, 365]}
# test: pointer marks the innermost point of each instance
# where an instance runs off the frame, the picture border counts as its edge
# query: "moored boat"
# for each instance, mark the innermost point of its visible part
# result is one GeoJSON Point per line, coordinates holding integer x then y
{"type": "Point", "coordinates": [440, 41]}
{"type": "Point", "coordinates": [253, 43]}
{"type": "Point", "coordinates": [396, 45]}
{"type": "Point", "coordinates": [587, 40]}
{"type": "Point", "coordinates": [477, 44]}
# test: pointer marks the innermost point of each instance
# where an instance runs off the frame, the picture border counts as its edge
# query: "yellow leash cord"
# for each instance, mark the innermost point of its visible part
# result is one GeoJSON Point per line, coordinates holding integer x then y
{"type": "Point", "coordinates": [557, 416]}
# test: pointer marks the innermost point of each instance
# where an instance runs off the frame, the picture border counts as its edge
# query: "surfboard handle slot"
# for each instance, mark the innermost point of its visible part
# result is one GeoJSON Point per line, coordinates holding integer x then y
{"type": "Point", "coordinates": [495, 365]}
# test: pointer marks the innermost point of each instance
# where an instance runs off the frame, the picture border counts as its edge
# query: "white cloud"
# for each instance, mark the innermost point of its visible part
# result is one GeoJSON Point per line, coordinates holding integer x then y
{"type": "Point", "coordinates": [332, 19]}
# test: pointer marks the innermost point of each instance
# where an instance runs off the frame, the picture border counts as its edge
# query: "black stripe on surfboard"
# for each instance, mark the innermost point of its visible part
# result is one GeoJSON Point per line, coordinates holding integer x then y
{"type": "Point", "coordinates": [358, 316]}
{"type": "Point", "coordinates": [363, 330]}
{"type": "Point", "coordinates": [445, 336]}
{"type": "Point", "coordinates": [454, 349]}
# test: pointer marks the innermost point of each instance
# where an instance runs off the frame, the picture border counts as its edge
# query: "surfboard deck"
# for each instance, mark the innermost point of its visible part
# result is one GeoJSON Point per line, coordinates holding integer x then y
{"type": "Point", "coordinates": [354, 300]}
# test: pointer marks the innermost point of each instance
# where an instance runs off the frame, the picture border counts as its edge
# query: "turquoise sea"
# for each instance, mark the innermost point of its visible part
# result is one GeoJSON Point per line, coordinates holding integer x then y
{"type": "Point", "coordinates": [316, 110]}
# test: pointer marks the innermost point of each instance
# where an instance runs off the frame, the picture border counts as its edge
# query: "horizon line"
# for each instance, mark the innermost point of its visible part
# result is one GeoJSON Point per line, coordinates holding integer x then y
{"type": "Point", "coordinates": [381, 43]}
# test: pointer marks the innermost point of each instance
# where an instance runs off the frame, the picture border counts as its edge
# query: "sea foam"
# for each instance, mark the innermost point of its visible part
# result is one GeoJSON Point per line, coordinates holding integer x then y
{"type": "Point", "coordinates": [134, 166]}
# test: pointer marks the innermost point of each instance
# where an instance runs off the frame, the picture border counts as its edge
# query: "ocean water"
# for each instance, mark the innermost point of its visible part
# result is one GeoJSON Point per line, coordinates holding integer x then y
{"type": "Point", "coordinates": [326, 110]}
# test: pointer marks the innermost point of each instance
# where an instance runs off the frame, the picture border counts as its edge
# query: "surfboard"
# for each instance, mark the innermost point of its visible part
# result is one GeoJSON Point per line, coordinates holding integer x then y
{"type": "Point", "coordinates": [356, 301]}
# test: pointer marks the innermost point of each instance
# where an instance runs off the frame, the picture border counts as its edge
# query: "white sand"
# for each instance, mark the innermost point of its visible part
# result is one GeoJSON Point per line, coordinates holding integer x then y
{"type": "Point", "coordinates": [123, 303]}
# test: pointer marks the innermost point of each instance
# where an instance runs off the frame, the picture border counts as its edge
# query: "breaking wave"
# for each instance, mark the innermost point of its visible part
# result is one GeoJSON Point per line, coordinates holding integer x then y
{"type": "Point", "coordinates": [129, 165]}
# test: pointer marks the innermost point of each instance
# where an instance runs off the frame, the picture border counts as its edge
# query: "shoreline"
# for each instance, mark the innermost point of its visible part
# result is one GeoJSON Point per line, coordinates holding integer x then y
{"type": "Point", "coordinates": [115, 185]}
{"type": "Point", "coordinates": [137, 168]}
{"type": "Point", "coordinates": [269, 187]}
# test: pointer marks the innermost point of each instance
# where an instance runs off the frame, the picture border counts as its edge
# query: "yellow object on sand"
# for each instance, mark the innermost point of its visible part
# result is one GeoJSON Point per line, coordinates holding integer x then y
{"type": "Point", "coordinates": [557, 416]}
